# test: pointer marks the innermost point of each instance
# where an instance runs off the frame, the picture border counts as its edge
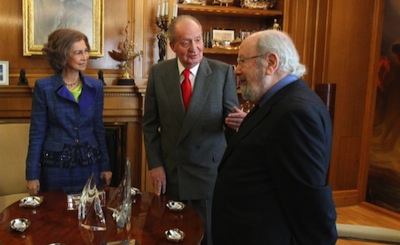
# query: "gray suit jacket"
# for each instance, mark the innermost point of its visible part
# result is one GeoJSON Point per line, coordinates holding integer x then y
{"type": "Point", "coordinates": [189, 145]}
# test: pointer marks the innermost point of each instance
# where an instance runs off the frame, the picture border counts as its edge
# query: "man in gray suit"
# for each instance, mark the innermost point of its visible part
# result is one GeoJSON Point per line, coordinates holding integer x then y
{"type": "Point", "coordinates": [184, 146]}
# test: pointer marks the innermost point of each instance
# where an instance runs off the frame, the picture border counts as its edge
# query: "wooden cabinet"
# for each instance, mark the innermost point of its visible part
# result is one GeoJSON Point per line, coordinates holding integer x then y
{"type": "Point", "coordinates": [232, 17]}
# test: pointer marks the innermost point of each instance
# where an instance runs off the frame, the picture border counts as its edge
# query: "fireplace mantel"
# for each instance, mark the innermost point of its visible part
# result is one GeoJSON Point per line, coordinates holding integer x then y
{"type": "Point", "coordinates": [122, 106]}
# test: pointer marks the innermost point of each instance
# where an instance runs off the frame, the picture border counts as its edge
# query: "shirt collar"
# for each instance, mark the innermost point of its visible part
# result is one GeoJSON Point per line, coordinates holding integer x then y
{"type": "Point", "coordinates": [193, 70]}
{"type": "Point", "coordinates": [282, 83]}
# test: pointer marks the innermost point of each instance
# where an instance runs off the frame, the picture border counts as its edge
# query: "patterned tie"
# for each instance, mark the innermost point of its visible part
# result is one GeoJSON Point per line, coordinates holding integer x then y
{"type": "Point", "coordinates": [186, 88]}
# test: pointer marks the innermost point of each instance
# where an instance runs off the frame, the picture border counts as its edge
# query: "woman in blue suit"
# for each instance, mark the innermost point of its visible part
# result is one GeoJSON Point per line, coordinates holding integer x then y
{"type": "Point", "coordinates": [67, 139]}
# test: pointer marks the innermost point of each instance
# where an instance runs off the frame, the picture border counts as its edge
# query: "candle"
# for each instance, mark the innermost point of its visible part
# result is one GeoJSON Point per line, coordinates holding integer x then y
{"type": "Point", "coordinates": [158, 9]}
{"type": "Point", "coordinates": [175, 12]}
{"type": "Point", "coordinates": [163, 8]}
{"type": "Point", "coordinates": [166, 8]}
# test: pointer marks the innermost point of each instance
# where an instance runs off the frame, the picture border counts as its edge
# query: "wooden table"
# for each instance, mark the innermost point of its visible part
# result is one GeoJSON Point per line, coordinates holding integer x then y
{"type": "Point", "coordinates": [51, 222]}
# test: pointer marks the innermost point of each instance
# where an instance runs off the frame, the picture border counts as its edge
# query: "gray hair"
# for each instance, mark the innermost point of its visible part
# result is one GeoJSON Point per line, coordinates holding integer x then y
{"type": "Point", "coordinates": [280, 43]}
{"type": "Point", "coordinates": [172, 27]}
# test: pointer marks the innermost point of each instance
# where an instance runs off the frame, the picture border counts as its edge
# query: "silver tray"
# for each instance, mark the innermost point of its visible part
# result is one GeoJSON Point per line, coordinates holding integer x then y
{"type": "Point", "coordinates": [31, 202]}
{"type": "Point", "coordinates": [174, 235]}
{"type": "Point", "coordinates": [20, 224]}
{"type": "Point", "coordinates": [175, 206]}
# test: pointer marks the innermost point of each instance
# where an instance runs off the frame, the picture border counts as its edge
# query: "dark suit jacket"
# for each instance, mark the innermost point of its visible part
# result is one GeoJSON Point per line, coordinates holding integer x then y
{"type": "Point", "coordinates": [189, 145]}
{"type": "Point", "coordinates": [271, 186]}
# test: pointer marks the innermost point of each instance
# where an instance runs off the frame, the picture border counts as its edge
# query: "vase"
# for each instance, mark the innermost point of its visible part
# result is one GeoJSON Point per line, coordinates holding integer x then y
{"type": "Point", "coordinates": [121, 202]}
{"type": "Point", "coordinates": [90, 213]}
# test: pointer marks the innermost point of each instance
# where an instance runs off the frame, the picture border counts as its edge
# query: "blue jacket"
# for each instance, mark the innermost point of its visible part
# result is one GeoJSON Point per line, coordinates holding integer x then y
{"type": "Point", "coordinates": [57, 119]}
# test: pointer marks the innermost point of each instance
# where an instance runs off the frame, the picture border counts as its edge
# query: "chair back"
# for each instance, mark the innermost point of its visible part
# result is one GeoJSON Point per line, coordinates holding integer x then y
{"type": "Point", "coordinates": [14, 138]}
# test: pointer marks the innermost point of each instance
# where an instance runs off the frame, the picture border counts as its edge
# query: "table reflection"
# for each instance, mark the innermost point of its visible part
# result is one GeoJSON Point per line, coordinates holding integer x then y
{"type": "Point", "coordinates": [53, 222]}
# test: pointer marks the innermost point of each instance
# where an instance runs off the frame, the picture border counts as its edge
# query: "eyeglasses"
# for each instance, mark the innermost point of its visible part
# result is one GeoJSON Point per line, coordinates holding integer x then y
{"type": "Point", "coordinates": [241, 61]}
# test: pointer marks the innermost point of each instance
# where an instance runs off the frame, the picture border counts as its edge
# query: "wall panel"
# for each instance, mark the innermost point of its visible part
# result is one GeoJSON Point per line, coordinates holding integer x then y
{"type": "Point", "coordinates": [348, 63]}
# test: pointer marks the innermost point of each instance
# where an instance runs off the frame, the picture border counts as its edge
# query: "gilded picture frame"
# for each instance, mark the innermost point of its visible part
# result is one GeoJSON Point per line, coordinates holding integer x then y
{"type": "Point", "coordinates": [41, 17]}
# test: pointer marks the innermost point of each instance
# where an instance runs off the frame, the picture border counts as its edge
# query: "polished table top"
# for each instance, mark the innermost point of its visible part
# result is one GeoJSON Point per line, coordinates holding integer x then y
{"type": "Point", "coordinates": [51, 222]}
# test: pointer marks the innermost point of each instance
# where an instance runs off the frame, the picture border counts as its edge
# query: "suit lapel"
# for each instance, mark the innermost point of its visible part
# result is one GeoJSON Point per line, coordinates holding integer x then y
{"type": "Point", "coordinates": [246, 129]}
{"type": "Point", "coordinates": [60, 89]}
{"type": "Point", "coordinates": [200, 91]}
{"type": "Point", "coordinates": [88, 96]}
{"type": "Point", "coordinates": [170, 78]}
{"type": "Point", "coordinates": [262, 112]}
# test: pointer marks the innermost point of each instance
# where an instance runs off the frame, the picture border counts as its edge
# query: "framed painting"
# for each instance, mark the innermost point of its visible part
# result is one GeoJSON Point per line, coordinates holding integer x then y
{"type": "Point", "coordinates": [223, 34]}
{"type": "Point", "coordinates": [244, 34]}
{"type": "Point", "coordinates": [41, 17]}
{"type": "Point", "coordinates": [3, 72]}
{"type": "Point", "coordinates": [383, 185]}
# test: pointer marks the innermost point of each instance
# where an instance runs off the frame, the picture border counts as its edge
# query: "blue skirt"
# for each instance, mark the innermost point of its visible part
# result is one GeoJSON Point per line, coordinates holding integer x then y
{"type": "Point", "coordinates": [70, 180]}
